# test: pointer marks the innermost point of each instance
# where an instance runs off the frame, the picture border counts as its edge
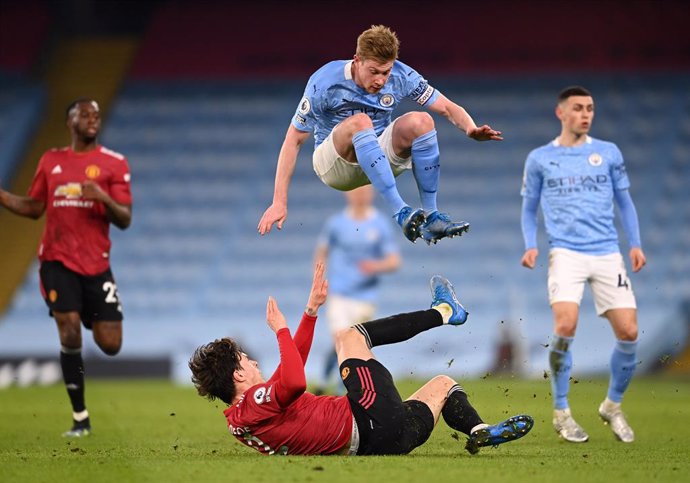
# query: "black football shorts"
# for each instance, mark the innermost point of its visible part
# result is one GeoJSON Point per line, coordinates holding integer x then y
{"type": "Point", "coordinates": [94, 297]}
{"type": "Point", "coordinates": [386, 423]}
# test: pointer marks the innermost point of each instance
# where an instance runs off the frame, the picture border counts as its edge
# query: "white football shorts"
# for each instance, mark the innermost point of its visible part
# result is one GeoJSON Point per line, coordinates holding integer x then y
{"type": "Point", "coordinates": [344, 312]}
{"type": "Point", "coordinates": [342, 175]}
{"type": "Point", "coordinates": [606, 275]}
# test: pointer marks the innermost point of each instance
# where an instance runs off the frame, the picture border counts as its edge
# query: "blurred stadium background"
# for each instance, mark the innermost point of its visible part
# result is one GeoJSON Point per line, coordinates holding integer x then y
{"type": "Point", "coordinates": [198, 96]}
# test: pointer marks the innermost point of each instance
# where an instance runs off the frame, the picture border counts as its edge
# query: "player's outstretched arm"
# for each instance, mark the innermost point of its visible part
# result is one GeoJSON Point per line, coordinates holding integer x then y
{"type": "Point", "coordinates": [274, 317]}
{"type": "Point", "coordinates": [460, 118]}
{"type": "Point", "coordinates": [319, 290]}
{"type": "Point", "coordinates": [277, 212]}
{"type": "Point", "coordinates": [290, 380]}
{"type": "Point", "coordinates": [118, 214]}
{"type": "Point", "coordinates": [22, 205]}
{"type": "Point", "coordinates": [304, 335]}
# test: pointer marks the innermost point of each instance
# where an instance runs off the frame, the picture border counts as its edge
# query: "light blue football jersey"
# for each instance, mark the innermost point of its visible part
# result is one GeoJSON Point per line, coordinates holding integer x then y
{"type": "Point", "coordinates": [575, 187]}
{"type": "Point", "coordinates": [331, 96]}
{"type": "Point", "coordinates": [351, 241]}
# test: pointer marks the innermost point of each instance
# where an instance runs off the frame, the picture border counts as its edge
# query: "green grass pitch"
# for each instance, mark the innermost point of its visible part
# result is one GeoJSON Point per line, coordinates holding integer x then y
{"type": "Point", "coordinates": [153, 431]}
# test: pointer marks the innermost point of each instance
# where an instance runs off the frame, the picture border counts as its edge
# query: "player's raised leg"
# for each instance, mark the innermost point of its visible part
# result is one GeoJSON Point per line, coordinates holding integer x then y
{"type": "Point", "coordinates": [445, 309]}
{"type": "Point", "coordinates": [355, 140]}
{"type": "Point", "coordinates": [414, 135]}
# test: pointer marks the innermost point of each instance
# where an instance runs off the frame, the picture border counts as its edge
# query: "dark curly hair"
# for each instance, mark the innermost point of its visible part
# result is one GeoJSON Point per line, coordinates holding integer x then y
{"type": "Point", "coordinates": [213, 366]}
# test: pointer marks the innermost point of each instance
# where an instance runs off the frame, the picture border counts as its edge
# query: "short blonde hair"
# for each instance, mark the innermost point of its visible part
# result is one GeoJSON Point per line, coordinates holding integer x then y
{"type": "Point", "coordinates": [378, 43]}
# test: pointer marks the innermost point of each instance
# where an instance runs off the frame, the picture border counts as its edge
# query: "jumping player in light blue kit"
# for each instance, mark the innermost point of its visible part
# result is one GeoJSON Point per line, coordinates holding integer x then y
{"type": "Point", "coordinates": [349, 105]}
{"type": "Point", "coordinates": [358, 245]}
{"type": "Point", "coordinates": [575, 179]}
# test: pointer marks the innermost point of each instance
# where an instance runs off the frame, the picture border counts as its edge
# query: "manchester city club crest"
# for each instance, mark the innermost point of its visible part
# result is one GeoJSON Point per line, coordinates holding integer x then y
{"type": "Point", "coordinates": [595, 159]}
{"type": "Point", "coordinates": [386, 100]}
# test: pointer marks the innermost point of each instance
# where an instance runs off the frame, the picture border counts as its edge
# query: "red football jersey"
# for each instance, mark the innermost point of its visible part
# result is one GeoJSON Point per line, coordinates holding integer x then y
{"type": "Point", "coordinates": [77, 230]}
{"type": "Point", "coordinates": [310, 425]}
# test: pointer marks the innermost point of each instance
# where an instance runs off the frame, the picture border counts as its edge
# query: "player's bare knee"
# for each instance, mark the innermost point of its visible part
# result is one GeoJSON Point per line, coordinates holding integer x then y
{"type": "Point", "coordinates": [110, 348]}
{"type": "Point", "coordinates": [421, 123]}
{"type": "Point", "coordinates": [108, 340]}
{"type": "Point", "coordinates": [70, 336]}
{"type": "Point", "coordinates": [443, 382]}
{"type": "Point", "coordinates": [565, 327]}
{"type": "Point", "coordinates": [111, 351]}
{"type": "Point", "coordinates": [348, 338]}
{"type": "Point", "coordinates": [358, 122]}
{"type": "Point", "coordinates": [628, 333]}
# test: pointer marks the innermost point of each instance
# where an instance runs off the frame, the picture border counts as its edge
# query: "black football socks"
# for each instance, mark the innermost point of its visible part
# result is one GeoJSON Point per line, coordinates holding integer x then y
{"type": "Point", "coordinates": [398, 328]}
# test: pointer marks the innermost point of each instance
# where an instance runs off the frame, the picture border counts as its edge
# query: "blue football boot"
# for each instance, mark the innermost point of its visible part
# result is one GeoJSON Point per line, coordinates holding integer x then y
{"type": "Point", "coordinates": [503, 432]}
{"type": "Point", "coordinates": [410, 221]}
{"type": "Point", "coordinates": [443, 292]}
{"type": "Point", "coordinates": [439, 225]}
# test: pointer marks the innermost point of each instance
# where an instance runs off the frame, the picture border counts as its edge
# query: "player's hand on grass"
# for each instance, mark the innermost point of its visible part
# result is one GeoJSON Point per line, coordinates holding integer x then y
{"type": "Point", "coordinates": [637, 258]}
{"type": "Point", "coordinates": [274, 317]}
{"type": "Point", "coordinates": [319, 290]}
{"type": "Point", "coordinates": [529, 259]}
{"type": "Point", "coordinates": [484, 133]}
{"type": "Point", "coordinates": [276, 213]}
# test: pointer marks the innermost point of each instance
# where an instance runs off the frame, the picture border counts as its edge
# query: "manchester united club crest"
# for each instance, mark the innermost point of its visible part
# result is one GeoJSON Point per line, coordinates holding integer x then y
{"type": "Point", "coordinates": [595, 159]}
{"type": "Point", "coordinates": [92, 171]}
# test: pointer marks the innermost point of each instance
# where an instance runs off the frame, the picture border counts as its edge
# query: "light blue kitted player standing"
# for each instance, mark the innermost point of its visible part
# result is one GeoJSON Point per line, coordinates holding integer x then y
{"type": "Point", "coordinates": [575, 179]}
{"type": "Point", "coordinates": [349, 105]}
{"type": "Point", "coordinates": [358, 246]}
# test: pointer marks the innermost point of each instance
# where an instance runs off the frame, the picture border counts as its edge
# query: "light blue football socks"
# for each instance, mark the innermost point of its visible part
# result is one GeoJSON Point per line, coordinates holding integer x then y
{"type": "Point", "coordinates": [426, 168]}
{"type": "Point", "coordinates": [561, 362]}
{"type": "Point", "coordinates": [623, 366]}
{"type": "Point", "coordinates": [377, 168]}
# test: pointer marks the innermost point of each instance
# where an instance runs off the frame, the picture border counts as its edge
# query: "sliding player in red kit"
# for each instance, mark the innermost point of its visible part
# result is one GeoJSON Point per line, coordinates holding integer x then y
{"type": "Point", "coordinates": [281, 403]}
{"type": "Point", "coordinates": [81, 189]}
{"type": "Point", "coordinates": [278, 416]}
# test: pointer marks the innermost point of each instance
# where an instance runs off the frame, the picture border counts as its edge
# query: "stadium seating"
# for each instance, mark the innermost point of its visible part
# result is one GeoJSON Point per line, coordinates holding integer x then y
{"type": "Point", "coordinates": [192, 266]}
{"type": "Point", "coordinates": [23, 29]}
{"type": "Point", "coordinates": [20, 107]}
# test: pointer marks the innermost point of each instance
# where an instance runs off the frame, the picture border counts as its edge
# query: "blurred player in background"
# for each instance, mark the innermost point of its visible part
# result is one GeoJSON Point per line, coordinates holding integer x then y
{"type": "Point", "coordinates": [575, 179]}
{"type": "Point", "coordinates": [81, 189]}
{"type": "Point", "coordinates": [349, 105]}
{"type": "Point", "coordinates": [359, 246]}
{"type": "Point", "coordinates": [278, 415]}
